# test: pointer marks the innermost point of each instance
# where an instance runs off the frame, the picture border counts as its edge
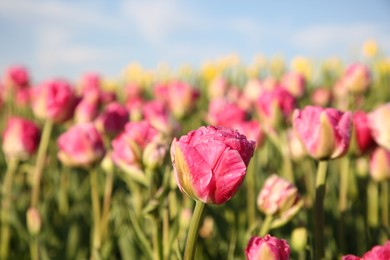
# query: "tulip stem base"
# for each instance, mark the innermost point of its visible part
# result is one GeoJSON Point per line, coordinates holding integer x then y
{"type": "Point", "coordinates": [192, 237]}
{"type": "Point", "coordinates": [5, 207]}
{"type": "Point", "coordinates": [265, 227]}
{"type": "Point", "coordinates": [41, 156]}
{"type": "Point", "coordinates": [385, 203]}
{"type": "Point", "coordinates": [319, 249]}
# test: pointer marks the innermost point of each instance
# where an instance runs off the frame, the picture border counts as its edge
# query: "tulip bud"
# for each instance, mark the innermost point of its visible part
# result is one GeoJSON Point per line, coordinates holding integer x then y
{"type": "Point", "coordinates": [267, 247]}
{"type": "Point", "coordinates": [80, 146]}
{"type": "Point", "coordinates": [275, 107]}
{"type": "Point", "coordinates": [380, 164]}
{"type": "Point", "coordinates": [321, 97]}
{"type": "Point", "coordinates": [34, 221]}
{"type": "Point", "coordinates": [107, 163]}
{"type": "Point", "coordinates": [279, 198]}
{"type": "Point", "coordinates": [361, 140]}
{"type": "Point", "coordinates": [294, 83]}
{"type": "Point", "coordinates": [296, 148]}
{"type": "Point", "coordinates": [210, 163]}
{"type": "Point", "coordinates": [129, 146]}
{"type": "Point", "coordinates": [376, 253]}
{"type": "Point", "coordinates": [16, 77]}
{"type": "Point", "coordinates": [207, 229]}
{"type": "Point", "coordinates": [20, 138]}
{"type": "Point", "coordinates": [380, 127]}
{"type": "Point", "coordinates": [113, 119]}
{"type": "Point", "coordinates": [154, 154]}
{"type": "Point", "coordinates": [252, 130]}
{"type": "Point", "coordinates": [86, 111]}
{"type": "Point", "coordinates": [357, 78]}
{"type": "Point", "coordinates": [222, 112]}
{"type": "Point", "coordinates": [299, 239]}
{"type": "Point", "coordinates": [54, 100]}
{"type": "Point", "coordinates": [325, 132]}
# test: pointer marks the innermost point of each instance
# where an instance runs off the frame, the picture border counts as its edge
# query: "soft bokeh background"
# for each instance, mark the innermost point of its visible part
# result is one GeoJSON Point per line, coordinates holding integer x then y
{"type": "Point", "coordinates": [68, 38]}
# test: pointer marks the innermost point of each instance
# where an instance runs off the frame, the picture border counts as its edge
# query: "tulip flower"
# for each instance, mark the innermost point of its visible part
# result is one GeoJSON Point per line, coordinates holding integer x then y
{"type": "Point", "coordinates": [362, 140]}
{"type": "Point", "coordinates": [380, 164]}
{"type": "Point", "coordinates": [321, 97]}
{"type": "Point", "coordinates": [128, 146]}
{"type": "Point", "coordinates": [357, 78]}
{"type": "Point", "coordinates": [252, 130]}
{"type": "Point", "coordinates": [113, 119]}
{"type": "Point", "coordinates": [218, 87]}
{"type": "Point", "coordinates": [17, 77]}
{"type": "Point", "coordinates": [380, 126]}
{"type": "Point", "coordinates": [294, 83]}
{"type": "Point", "coordinates": [376, 253]}
{"type": "Point", "coordinates": [210, 163]}
{"type": "Point", "coordinates": [34, 221]}
{"type": "Point", "coordinates": [54, 100]}
{"type": "Point", "coordinates": [278, 199]}
{"type": "Point", "coordinates": [275, 107]}
{"type": "Point", "coordinates": [180, 97]}
{"type": "Point", "coordinates": [20, 138]}
{"type": "Point", "coordinates": [224, 113]}
{"type": "Point", "coordinates": [86, 111]}
{"type": "Point", "coordinates": [267, 247]}
{"type": "Point", "coordinates": [80, 146]}
{"type": "Point", "coordinates": [325, 132]}
{"type": "Point", "coordinates": [159, 117]}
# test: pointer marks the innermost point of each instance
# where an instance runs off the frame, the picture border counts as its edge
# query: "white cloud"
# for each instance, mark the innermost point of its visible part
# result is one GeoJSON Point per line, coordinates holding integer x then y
{"type": "Point", "coordinates": [322, 37]}
{"type": "Point", "coordinates": [156, 20]}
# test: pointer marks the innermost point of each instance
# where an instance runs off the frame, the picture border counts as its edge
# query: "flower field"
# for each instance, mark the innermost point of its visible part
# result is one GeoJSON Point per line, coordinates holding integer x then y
{"type": "Point", "coordinates": [274, 159]}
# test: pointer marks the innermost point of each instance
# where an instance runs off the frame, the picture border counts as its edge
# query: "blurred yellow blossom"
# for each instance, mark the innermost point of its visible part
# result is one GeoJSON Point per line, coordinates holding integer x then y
{"type": "Point", "coordinates": [302, 65]}
{"type": "Point", "coordinates": [370, 48]}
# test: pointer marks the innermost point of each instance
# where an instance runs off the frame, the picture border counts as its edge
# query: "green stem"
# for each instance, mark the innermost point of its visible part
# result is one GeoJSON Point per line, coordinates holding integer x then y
{"type": "Point", "coordinates": [106, 203]}
{"type": "Point", "coordinates": [5, 207]}
{"type": "Point", "coordinates": [287, 163]}
{"type": "Point", "coordinates": [41, 156]}
{"type": "Point", "coordinates": [166, 237]}
{"type": "Point", "coordinates": [96, 242]}
{"type": "Point", "coordinates": [34, 248]}
{"type": "Point", "coordinates": [343, 198]}
{"type": "Point", "coordinates": [373, 204]}
{"type": "Point", "coordinates": [192, 237]}
{"type": "Point", "coordinates": [319, 249]}
{"type": "Point", "coordinates": [250, 194]}
{"type": "Point", "coordinates": [63, 199]}
{"type": "Point", "coordinates": [385, 203]}
{"type": "Point", "coordinates": [265, 227]}
{"type": "Point", "coordinates": [156, 242]}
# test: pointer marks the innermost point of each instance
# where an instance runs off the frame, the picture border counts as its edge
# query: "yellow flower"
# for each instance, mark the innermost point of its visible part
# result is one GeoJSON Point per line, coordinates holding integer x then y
{"type": "Point", "coordinates": [370, 48]}
{"type": "Point", "coordinates": [302, 65]}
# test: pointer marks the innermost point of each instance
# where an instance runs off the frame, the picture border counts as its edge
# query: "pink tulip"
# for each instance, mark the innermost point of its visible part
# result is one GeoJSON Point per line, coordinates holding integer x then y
{"type": "Point", "coordinates": [86, 110]}
{"type": "Point", "coordinates": [380, 125]}
{"type": "Point", "coordinates": [17, 77]}
{"type": "Point", "coordinates": [294, 83]}
{"type": "Point", "coordinates": [20, 138]}
{"type": "Point", "coordinates": [325, 132]}
{"type": "Point", "coordinates": [275, 107]}
{"type": "Point", "coordinates": [376, 253]}
{"type": "Point", "coordinates": [113, 119]}
{"type": "Point", "coordinates": [267, 247]}
{"type": "Point", "coordinates": [362, 140]}
{"type": "Point", "coordinates": [280, 198]}
{"type": "Point", "coordinates": [179, 96]}
{"type": "Point", "coordinates": [210, 163]}
{"type": "Point", "coordinates": [321, 97]}
{"type": "Point", "coordinates": [380, 164]}
{"type": "Point", "coordinates": [218, 87]}
{"type": "Point", "coordinates": [357, 78]}
{"type": "Point", "coordinates": [129, 145]}
{"type": "Point", "coordinates": [80, 146]}
{"type": "Point", "coordinates": [252, 90]}
{"type": "Point", "coordinates": [224, 113]}
{"type": "Point", "coordinates": [54, 100]}
{"type": "Point", "coordinates": [159, 117]}
{"type": "Point", "coordinates": [252, 130]}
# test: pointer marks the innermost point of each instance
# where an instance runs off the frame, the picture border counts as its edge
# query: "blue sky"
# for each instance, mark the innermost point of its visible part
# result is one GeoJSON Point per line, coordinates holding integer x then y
{"type": "Point", "coordinates": [69, 38]}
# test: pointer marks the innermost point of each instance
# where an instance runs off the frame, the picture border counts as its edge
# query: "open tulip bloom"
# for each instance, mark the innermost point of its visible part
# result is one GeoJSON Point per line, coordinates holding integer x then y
{"type": "Point", "coordinates": [210, 164]}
